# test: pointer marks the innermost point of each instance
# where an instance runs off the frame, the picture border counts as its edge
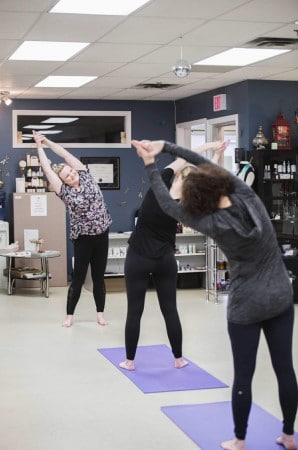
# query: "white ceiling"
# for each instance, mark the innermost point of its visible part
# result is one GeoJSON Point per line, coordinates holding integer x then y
{"type": "Point", "coordinates": [143, 47]}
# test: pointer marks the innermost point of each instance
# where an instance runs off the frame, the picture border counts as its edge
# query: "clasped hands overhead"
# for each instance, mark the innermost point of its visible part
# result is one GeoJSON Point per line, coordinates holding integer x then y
{"type": "Point", "coordinates": [148, 149]}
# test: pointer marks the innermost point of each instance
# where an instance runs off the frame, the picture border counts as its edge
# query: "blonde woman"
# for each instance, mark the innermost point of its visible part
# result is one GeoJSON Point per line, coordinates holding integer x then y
{"type": "Point", "coordinates": [89, 223]}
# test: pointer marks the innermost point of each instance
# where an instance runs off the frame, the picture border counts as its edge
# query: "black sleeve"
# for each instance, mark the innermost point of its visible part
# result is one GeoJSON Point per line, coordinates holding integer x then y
{"type": "Point", "coordinates": [167, 176]}
{"type": "Point", "coordinates": [166, 202]}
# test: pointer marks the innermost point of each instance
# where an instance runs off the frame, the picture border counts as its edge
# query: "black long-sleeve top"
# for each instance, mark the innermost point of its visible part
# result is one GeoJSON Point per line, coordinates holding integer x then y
{"type": "Point", "coordinates": [155, 231]}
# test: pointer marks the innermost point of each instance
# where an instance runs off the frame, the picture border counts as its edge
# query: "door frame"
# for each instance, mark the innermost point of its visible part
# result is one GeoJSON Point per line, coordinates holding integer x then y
{"type": "Point", "coordinates": [183, 129]}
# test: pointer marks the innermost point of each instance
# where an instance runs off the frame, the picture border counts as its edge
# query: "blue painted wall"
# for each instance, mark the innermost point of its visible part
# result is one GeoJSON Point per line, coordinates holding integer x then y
{"type": "Point", "coordinates": [201, 106]}
{"type": "Point", "coordinates": [266, 99]}
{"type": "Point", "coordinates": [151, 120]}
{"type": "Point", "coordinates": [256, 102]}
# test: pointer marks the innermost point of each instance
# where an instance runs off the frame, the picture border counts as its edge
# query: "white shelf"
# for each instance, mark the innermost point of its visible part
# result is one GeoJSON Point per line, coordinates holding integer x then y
{"type": "Point", "coordinates": [193, 262]}
{"type": "Point", "coordinates": [190, 254]}
{"type": "Point", "coordinates": [203, 270]}
{"type": "Point", "coordinates": [116, 257]}
{"type": "Point", "coordinates": [111, 275]}
{"type": "Point", "coordinates": [121, 236]}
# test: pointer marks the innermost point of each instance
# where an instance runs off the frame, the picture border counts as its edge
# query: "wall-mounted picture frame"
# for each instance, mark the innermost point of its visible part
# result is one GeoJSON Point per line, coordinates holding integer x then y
{"type": "Point", "coordinates": [105, 170]}
{"type": "Point", "coordinates": [73, 129]}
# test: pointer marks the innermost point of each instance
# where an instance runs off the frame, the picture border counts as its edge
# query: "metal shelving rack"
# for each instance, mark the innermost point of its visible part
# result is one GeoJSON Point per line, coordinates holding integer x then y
{"type": "Point", "coordinates": [213, 255]}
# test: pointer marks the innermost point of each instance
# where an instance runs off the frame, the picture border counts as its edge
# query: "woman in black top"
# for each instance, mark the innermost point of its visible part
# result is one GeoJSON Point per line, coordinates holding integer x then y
{"type": "Point", "coordinates": [151, 252]}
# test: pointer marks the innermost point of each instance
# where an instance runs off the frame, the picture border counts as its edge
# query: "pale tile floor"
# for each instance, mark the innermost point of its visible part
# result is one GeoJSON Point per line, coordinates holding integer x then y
{"type": "Point", "coordinates": [58, 393]}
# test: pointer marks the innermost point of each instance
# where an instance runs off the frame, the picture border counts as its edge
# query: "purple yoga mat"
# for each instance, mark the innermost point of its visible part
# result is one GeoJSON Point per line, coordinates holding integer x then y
{"type": "Point", "coordinates": [155, 370]}
{"type": "Point", "coordinates": [209, 424]}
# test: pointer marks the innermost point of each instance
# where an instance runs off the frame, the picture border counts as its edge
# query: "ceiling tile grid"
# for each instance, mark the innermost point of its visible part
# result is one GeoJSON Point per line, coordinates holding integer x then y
{"type": "Point", "coordinates": [126, 52]}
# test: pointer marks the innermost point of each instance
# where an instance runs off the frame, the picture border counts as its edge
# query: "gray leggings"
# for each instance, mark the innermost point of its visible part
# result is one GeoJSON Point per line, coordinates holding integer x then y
{"type": "Point", "coordinates": [278, 332]}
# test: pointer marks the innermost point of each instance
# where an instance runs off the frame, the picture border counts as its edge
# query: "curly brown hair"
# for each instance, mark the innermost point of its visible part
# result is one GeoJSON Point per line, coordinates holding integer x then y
{"type": "Point", "coordinates": [203, 187]}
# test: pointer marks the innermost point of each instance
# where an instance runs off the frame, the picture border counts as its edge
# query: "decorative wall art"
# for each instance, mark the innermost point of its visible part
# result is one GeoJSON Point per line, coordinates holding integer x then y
{"type": "Point", "coordinates": [105, 169]}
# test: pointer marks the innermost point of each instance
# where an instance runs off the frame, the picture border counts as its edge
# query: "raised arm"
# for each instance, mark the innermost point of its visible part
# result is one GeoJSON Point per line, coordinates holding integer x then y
{"type": "Point", "coordinates": [149, 149]}
{"type": "Point", "coordinates": [177, 165]}
{"type": "Point", "coordinates": [69, 159]}
{"type": "Point", "coordinates": [52, 177]}
{"type": "Point", "coordinates": [218, 148]}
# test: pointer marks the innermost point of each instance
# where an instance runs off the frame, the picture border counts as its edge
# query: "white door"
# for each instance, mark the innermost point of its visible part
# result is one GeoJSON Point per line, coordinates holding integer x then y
{"type": "Point", "coordinates": [225, 128]}
{"type": "Point", "coordinates": [191, 135]}
{"type": "Point", "coordinates": [196, 132]}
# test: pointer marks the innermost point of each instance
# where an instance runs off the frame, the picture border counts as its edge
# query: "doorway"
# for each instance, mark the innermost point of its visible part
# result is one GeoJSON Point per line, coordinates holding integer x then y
{"type": "Point", "coordinates": [197, 132]}
{"type": "Point", "coordinates": [192, 135]}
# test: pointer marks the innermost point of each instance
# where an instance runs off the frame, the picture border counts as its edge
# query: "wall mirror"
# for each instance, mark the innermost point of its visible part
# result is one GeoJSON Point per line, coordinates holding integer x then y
{"type": "Point", "coordinates": [76, 129]}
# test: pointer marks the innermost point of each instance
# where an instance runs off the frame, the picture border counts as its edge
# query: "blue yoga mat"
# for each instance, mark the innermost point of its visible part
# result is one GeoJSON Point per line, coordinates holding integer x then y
{"type": "Point", "coordinates": [209, 424]}
{"type": "Point", "coordinates": [155, 370]}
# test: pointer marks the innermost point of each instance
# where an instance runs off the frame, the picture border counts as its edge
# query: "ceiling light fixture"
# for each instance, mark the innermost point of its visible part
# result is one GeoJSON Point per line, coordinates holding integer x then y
{"type": "Point", "coordinates": [110, 8]}
{"type": "Point", "coordinates": [241, 56]}
{"type": "Point", "coordinates": [71, 81]}
{"type": "Point", "coordinates": [47, 50]}
{"type": "Point", "coordinates": [5, 98]}
{"type": "Point", "coordinates": [182, 68]}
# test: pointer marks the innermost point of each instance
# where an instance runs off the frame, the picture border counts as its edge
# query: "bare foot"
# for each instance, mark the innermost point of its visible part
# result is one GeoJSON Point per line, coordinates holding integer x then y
{"type": "Point", "coordinates": [100, 319]}
{"type": "Point", "coordinates": [287, 441]}
{"type": "Point", "coordinates": [180, 362]}
{"type": "Point", "coordinates": [128, 364]}
{"type": "Point", "coordinates": [68, 321]}
{"type": "Point", "coordinates": [233, 444]}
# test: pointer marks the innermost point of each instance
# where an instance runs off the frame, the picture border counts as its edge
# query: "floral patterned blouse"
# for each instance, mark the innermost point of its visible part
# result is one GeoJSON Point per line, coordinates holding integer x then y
{"type": "Point", "coordinates": [87, 209]}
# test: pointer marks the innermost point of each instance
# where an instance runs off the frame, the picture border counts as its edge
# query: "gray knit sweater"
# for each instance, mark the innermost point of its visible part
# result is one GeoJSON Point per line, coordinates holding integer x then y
{"type": "Point", "coordinates": [260, 286]}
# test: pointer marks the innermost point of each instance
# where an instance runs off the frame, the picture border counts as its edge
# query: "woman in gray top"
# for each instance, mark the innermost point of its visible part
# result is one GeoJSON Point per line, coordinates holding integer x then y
{"type": "Point", "coordinates": [220, 205]}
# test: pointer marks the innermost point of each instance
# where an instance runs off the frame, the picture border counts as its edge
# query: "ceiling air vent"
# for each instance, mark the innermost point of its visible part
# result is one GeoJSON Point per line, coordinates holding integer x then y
{"type": "Point", "coordinates": [273, 42]}
{"type": "Point", "coordinates": [157, 85]}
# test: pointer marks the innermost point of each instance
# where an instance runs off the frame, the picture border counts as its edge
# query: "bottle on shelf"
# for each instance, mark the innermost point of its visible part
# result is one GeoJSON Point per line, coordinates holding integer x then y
{"type": "Point", "coordinates": [33, 173]}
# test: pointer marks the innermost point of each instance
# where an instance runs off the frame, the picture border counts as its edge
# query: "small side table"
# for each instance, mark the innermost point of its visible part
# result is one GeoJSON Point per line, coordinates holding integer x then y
{"type": "Point", "coordinates": [29, 274]}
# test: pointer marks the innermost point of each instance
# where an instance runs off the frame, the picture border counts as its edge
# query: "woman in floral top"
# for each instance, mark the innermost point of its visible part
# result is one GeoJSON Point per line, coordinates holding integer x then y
{"type": "Point", "coordinates": [89, 223]}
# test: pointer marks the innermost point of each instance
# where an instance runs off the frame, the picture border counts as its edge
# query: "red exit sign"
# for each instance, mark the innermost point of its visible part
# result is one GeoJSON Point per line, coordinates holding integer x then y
{"type": "Point", "coordinates": [220, 102]}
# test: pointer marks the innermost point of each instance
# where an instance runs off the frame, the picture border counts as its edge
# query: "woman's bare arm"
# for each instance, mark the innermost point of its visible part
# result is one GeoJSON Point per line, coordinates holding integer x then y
{"type": "Point", "coordinates": [69, 159]}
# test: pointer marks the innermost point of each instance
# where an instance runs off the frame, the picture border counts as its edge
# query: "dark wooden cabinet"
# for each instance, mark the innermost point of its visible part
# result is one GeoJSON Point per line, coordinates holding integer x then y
{"type": "Point", "coordinates": [277, 182]}
{"type": "Point", "coordinates": [277, 185]}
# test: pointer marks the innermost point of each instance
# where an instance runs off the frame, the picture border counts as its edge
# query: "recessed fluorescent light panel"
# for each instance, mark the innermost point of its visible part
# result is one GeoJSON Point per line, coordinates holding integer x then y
{"type": "Point", "coordinates": [30, 136]}
{"type": "Point", "coordinates": [108, 8]}
{"type": "Point", "coordinates": [52, 132]}
{"type": "Point", "coordinates": [47, 50]}
{"type": "Point", "coordinates": [39, 127]}
{"type": "Point", "coordinates": [60, 120]}
{"type": "Point", "coordinates": [240, 57]}
{"type": "Point", "coordinates": [64, 81]}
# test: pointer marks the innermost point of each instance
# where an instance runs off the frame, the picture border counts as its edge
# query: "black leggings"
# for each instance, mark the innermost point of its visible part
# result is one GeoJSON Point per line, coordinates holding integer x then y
{"type": "Point", "coordinates": [137, 274]}
{"type": "Point", "coordinates": [91, 250]}
{"type": "Point", "coordinates": [244, 340]}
